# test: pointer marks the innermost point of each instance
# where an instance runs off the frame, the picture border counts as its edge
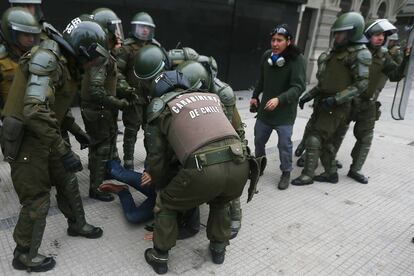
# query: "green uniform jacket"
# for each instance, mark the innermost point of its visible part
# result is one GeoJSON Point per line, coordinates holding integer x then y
{"type": "Point", "coordinates": [287, 83]}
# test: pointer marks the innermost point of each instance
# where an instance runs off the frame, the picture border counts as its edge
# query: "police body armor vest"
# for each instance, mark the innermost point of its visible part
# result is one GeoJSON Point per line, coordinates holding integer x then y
{"type": "Point", "coordinates": [337, 74]}
{"type": "Point", "coordinates": [377, 79]}
{"type": "Point", "coordinates": [197, 120]}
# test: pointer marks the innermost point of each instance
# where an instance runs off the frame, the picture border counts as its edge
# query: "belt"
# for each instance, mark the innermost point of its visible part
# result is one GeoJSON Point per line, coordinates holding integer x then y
{"type": "Point", "coordinates": [209, 158]}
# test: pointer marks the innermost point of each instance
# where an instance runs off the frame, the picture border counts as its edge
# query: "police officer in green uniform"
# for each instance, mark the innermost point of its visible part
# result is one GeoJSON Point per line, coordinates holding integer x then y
{"type": "Point", "coordinates": [142, 33]}
{"type": "Point", "coordinates": [45, 83]}
{"type": "Point", "coordinates": [99, 107]}
{"type": "Point", "coordinates": [191, 127]}
{"type": "Point", "coordinates": [20, 32]}
{"type": "Point", "coordinates": [394, 48]}
{"type": "Point", "coordinates": [366, 107]}
{"type": "Point", "coordinates": [342, 74]}
{"type": "Point", "coordinates": [203, 76]}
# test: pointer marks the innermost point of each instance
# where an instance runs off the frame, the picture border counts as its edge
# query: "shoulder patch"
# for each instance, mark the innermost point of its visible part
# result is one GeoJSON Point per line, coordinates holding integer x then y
{"type": "Point", "coordinates": [3, 51]}
{"type": "Point", "coordinates": [43, 62]}
{"type": "Point", "coordinates": [154, 109]}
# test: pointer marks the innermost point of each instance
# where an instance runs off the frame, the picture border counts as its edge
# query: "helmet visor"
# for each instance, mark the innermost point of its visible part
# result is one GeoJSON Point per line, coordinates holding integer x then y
{"type": "Point", "coordinates": [381, 26]}
{"type": "Point", "coordinates": [115, 27]}
{"type": "Point", "coordinates": [143, 31]}
{"type": "Point", "coordinates": [25, 41]}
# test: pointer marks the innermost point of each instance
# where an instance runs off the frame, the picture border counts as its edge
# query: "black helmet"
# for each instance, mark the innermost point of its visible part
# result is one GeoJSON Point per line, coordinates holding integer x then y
{"type": "Point", "coordinates": [109, 20]}
{"type": "Point", "coordinates": [16, 21]}
{"type": "Point", "coordinates": [86, 39]}
{"type": "Point", "coordinates": [142, 26]}
{"type": "Point", "coordinates": [168, 81]}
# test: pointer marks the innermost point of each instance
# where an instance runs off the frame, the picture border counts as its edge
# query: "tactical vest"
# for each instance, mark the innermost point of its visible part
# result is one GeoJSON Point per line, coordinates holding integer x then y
{"type": "Point", "coordinates": [109, 84]}
{"type": "Point", "coordinates": [197, 120]}
{"type": "Point", "coordinates": [337, 74]}
{"type": "Point", "coordinates": [376, 77]}
{"type": "Point", "coordinates": [7, 68]}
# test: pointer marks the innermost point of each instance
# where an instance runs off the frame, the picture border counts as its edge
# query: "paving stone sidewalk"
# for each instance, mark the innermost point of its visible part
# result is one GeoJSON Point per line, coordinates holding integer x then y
{"type": "Point", "coordinates": [321, 229]}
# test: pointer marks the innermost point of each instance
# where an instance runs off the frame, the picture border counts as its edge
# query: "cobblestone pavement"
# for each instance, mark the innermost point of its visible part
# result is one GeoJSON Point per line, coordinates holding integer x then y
{"type": "Point", "coordinates": [321, 229]}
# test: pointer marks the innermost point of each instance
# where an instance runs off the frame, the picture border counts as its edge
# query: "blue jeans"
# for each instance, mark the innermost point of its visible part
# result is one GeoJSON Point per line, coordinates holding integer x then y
{"type": "Point", "coordinates": [262, 134]}
{"type": "Point", "coordinates": [133, 213]}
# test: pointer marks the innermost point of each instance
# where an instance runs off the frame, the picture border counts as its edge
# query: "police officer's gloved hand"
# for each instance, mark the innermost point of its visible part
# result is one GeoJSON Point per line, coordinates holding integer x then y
{"type": "Point", "coordinates": [71, 162]}
{"type": "Point", "coordinates": [83, 139]}
{"type": "Point", "coordinates": [328, 102]}
{"type": "Point", "coordinates": [305, 98]}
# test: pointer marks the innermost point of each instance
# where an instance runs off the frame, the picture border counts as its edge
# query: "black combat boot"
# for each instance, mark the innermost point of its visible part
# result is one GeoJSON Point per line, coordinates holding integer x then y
{"type": "Point", "coordinates": [325, 177]}
{"type": "Point", "coordinates": [158, 259]}
{"type": "Point", "coordinates": [358, 177]}
{"type": "Point", "coordinates": [218, 252]}
{"type": "Point", "coordinates": [284, 181]}
{"type": "Point", "coordinates": [87, 231]}
{"type": "Point", "coordinates": [98, 195]}
{"type": "Point", "coordinates": [22, 261]}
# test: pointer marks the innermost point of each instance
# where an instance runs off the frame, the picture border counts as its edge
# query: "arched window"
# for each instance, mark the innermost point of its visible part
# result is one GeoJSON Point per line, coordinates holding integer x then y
{"type": "Point", "coordinates": [365, 6]}
{"type": "Point", "coordinates": [382, 10]}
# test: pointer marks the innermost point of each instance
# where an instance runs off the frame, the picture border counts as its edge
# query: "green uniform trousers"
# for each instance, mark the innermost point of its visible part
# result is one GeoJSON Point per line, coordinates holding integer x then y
{"type": "Point", "coordinates": [215, 185]}
{"type": "Point", "coordinates": [35, 170]}
{"type": "Point", "coordinates": [133, 119]}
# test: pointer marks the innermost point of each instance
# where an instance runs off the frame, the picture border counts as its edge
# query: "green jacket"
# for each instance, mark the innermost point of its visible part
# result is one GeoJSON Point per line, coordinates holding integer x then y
{"type": "Point", "coordinates": [287, 83]}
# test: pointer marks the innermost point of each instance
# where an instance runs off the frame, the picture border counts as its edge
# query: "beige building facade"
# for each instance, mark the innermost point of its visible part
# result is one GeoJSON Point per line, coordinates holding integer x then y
{"type": "Point", "coordinates": [317, 17]}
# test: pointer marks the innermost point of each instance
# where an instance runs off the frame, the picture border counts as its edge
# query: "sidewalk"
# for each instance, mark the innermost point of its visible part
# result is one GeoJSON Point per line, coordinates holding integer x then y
{"type": "Point", "coordinates": [320, 229]}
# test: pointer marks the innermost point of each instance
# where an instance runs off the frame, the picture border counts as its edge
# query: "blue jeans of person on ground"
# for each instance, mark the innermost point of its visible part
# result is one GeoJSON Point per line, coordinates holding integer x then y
{"type": "Point", "coordinates": [132, 212]}
{"type": "Point", "coordinates": [262, 132]}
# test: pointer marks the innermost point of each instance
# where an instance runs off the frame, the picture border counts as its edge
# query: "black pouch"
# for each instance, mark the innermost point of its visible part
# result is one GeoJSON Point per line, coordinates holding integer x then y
{"type": "Point", "coordinates": [11, 137]}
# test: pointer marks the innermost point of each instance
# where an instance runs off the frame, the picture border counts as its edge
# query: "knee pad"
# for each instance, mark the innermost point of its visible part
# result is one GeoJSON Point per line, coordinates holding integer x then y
{"type": "Point", "coordinates": [313, 142]}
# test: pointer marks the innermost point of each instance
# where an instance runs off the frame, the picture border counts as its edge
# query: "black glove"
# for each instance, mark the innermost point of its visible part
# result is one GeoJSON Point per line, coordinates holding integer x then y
{"type": "Point", "coordinates": [306, 98]}
{"type": "Point", "coordinates": [83, 139]}
{"type": "Point", "coordinates": [328, 102]}
{"type": "Point", "coordinates": [71, 162]}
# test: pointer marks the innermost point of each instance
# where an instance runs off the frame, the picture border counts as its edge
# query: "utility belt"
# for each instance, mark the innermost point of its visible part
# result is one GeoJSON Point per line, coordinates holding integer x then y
{"type": "Point", "coordinates": [234, 152]}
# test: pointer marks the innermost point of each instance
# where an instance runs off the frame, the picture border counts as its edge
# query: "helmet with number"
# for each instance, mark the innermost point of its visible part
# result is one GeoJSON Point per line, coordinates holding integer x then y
{"type": "Point", "coordinates": [379, 26]}
{"type": "Point", "coordinates": [109, 20]}
{"type": "Point", "coordinates": [195, 73]}
{"type": "Point", "coordinates": [142, 26]}
{"type": "Point", "coordinates": [20, 28]}
{"type": "Point", "coordinates": [87, 39]}
{"type": "Point", "coordinates": [168, 81]}
{"type": "Point", "coordinates": [352, 23]}
{"type": "Point", "coordinates": [149, 62]}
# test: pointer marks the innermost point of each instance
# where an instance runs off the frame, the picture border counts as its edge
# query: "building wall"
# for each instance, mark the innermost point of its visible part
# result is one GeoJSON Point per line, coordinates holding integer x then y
{"type": "Point", "coordinates": [325, 13]}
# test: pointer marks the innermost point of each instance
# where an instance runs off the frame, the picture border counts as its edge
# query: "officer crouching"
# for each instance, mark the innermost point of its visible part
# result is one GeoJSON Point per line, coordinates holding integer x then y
{"type": "Point", "coordinates": [192, 128]}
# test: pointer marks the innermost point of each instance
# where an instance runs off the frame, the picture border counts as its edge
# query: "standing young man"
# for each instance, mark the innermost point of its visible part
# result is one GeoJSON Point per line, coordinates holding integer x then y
{"type": "Point", "coordinates": [282, 81]}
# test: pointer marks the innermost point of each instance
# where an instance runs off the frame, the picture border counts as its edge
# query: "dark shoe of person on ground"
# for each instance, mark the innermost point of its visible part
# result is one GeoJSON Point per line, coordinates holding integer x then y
{"type": "Point", "coordinates": [157, 259]}
{"type": "Point", "coordinates": [359, 177]}
{"type": "Point", "coordinates": [112, 188]}
{"type": "Point", "coordinates": [40, 263]}
{"type": "Point", "coordinates": [284, 181]}
{"type": "Point", "coordinates": [325, 177]}
{"type": "Point", "coordinates": [302, 181]}
{"type": "Point", "coordinates": [301, 162]}
{"type": "Point", "coordinates": [99, 195]}
{"type": "Point", "coordinates": [87, 231]}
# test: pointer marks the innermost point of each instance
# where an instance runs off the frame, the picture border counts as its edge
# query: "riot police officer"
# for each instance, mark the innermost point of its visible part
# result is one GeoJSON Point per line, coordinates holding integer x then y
{"type": "Point", "coordinates": [20, 32]}
{"type": "Point", "coordinates": [142, 33]}
{"type": "Point", "coordinates": [213, 163]}
{"type": "Point", "coordinates": [342, 74]}
{"type": "Point", "coordinates": [42, 92]}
